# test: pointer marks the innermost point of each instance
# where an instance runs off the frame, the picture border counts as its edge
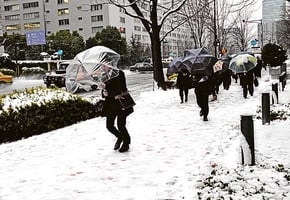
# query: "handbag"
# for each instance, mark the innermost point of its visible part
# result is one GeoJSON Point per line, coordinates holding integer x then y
{"type": "Point", "coordinates": [256, 82]}
{"type": "Point", "coordinates": [100, 108]}
{"type": "Point", "coordinates": [125, 100]}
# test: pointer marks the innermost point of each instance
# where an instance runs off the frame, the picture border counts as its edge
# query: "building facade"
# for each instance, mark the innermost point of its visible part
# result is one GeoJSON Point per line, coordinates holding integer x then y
{"type": "Point", "coordinates": [84, 16]}
{"type": "Point", "coordinates": [273, 11]}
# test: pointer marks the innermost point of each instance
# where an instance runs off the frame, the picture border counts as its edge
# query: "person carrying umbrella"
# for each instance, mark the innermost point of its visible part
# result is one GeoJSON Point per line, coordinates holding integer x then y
{"type": "Point", "coordinates": [202, 91]}
{"type": "Point", "coordinates": [244, 64]}
{"type": "Point", "coordinates": [247, 82]}
{"type": "Point", "coordinates": [112, 90]}
{"type": "Point", "coordinates": [183, 83]}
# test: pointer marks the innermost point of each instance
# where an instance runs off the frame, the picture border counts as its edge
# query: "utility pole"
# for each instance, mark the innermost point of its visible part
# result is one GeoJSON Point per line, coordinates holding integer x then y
{"type": "Point", "coordinates": [216, 41]}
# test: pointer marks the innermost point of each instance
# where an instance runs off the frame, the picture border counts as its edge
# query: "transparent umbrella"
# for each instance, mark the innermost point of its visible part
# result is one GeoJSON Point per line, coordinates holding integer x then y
{"type": "Point", "coordinates": [92, 67]}
{"type": "Point", "coordinates": [243, 62]}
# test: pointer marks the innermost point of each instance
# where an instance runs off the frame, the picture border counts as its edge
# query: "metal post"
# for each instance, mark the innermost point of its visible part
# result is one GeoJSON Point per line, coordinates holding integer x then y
{"type": "Point", "coordinates": [265, 108]}
{"type": "Point", "coordinates": [275, 90]}
{"type": "Point", "coordinates": [247, 128]}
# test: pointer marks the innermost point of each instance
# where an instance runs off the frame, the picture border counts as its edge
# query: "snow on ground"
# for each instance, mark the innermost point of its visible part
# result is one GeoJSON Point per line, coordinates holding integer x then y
{"type": "Point", "coordinates": [173, 155]}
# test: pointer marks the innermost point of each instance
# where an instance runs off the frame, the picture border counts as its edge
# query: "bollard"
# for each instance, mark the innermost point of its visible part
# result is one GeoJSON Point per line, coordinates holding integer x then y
{"type": "Point", "coordinates": [247, 128]}
{"type": "Point", "coordinates": [265, 108]}
{"type": "Point", "coordinates": [275, 90]}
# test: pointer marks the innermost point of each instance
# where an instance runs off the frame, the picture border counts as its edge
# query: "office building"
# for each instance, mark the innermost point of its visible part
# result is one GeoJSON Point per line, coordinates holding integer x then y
{"type": "Point", "coordinates": [85, 16]}
{"type": "Point", "coordinates": [273, 12]}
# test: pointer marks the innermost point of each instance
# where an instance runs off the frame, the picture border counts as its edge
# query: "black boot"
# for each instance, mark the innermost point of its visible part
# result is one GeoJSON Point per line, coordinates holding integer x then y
{"type": "Point", "coordinates": [118, 144]}
{"type": "Point", "coordinates": [124, 147]}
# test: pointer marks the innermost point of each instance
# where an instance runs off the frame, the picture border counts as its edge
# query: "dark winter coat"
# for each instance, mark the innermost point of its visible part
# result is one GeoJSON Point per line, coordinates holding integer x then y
{"type": "Point", "coordinates": [184, 81]}
{"type": "Point", "coordinates": [116, 86]}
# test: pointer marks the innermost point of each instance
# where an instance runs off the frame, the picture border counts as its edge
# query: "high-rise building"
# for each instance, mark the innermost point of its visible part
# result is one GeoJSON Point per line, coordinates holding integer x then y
{"type": "Point", "coordinates": [85, 16]}
{"type": "Point", "coordinates": [273, 12]}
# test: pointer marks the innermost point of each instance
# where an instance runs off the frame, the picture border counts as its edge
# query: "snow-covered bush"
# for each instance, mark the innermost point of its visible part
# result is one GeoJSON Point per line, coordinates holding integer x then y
{"type": "Point", "coordinates": [277, 112]}
{"type": "Point", "coordinates": [38, 110]}
{"type": "Point", "coordinates": [245, 182]}
{"type": "Point", "coordinates": [7, 71]}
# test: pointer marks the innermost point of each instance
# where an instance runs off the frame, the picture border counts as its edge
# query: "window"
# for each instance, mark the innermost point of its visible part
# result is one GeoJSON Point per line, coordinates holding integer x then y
{"type": "Point", "coordinates": [80, 18]}
{"type": "Point", "coordinates": [122, 20]}
{"type": "Point", "coordinates": [12, 8]}
{"type": "Point", "coordinates": [62, 1]}
{"type": "Point", "coordinates": [35, 25]}
{"type": "Point", "coordinates": [33, 15]}
{"type": "Point", "coordinates": [96, 7]}
{"type": "Point", "coordinates": [97, 18]}
{"type": "Point", "coordinates": [63, 22]}
{"type": "Point", "coordinates": [14, 27]}
{"type": "Point", "coordinates": [12, 17]}
{"type": "Point", "coordinates": [137, 28]}
{"type": "Point", "coordinates": [64, 11]}
{"type": "Point", "coordinates": [97, 29]}
{"type": "Point", "coordinates": [137, 37]}
{"type": "Point", "coordinates": [80, 29]}
{"type": "Point", "coordinates": [30, 5]}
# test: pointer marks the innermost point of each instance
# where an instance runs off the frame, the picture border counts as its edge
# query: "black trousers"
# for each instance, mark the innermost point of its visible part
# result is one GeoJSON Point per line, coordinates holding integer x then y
{"type": "Point", "coordinates": [202, 102]}
{"type": "Point", "coordinates": [185, 92]}
{"type": "Point", "coordinates": [122, 131]}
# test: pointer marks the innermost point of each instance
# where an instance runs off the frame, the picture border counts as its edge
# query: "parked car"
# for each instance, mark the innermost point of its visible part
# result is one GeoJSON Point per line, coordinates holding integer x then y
{"type": "Point", "coordinates": [58, 77]}
{"type": "Point", "coordinates": [139, 67]}
{"type": "Point", "coordinates": [5, 78]}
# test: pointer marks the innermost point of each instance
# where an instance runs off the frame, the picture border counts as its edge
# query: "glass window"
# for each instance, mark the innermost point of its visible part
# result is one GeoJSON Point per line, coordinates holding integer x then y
{"type": "Point", "coordinates": [35, 25]}
{"type": "Point", "coordinates": [33, 15]}
{"type": "Point", "coordinates": [64, 11]}
{"type": "Point", "coordinates": [30, 5]}
{"type": "Point", "coordinates": [12, 17]}
{"type": "Point", "coordinates": [63, 22]}
{"type": "Point", "coordinates": [14, 27]}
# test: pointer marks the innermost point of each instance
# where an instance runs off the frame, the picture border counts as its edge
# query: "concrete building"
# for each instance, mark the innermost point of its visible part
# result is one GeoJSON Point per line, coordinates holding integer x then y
{"type": "Point", "coordinates": [85, 16]}
{"type": "Point", "coordinates": [273, 12]}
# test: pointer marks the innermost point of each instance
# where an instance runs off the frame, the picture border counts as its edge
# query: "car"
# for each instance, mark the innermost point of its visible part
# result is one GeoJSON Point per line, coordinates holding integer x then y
{"type": "Point", "coordinates": [139, 67]}
{"type": "Point", "coordinates": [5, 78]}
{"type": "Point", "coordinates": [54, 56]}
{"type": "Point", "coordinates": [57, 78]}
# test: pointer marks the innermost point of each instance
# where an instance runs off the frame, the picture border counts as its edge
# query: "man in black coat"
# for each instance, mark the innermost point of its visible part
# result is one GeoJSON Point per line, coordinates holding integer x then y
{"type": "Point", "coordinates": [183, 82]}
{"type": "Point", "coordinates": [247, 82]}
{"type": "Point", "coordinates": [113, 88]}
{"type": "Point", "coordinates": [202, 91]}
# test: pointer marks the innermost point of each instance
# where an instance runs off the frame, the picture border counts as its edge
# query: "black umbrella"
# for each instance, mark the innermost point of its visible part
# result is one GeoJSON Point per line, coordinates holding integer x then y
{"type": "Point", "coordinates": [175, 66]}
{"type": "Point", "coordinates": [199, 61]}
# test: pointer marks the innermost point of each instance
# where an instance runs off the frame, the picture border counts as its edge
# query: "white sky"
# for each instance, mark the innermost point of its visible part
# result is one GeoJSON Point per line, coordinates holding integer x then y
{"type": "Point", "coordinates": [172, 151]}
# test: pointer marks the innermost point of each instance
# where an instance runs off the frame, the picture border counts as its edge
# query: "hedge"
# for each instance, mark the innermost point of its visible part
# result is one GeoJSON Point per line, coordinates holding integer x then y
{"type": "Point", "coordinates": [36, 111]}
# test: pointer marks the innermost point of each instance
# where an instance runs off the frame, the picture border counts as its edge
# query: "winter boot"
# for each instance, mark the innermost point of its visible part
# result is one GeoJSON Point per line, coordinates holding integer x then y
{"type": "Point", "coordinates": [124, 147]}
{"type": "Point", "coordinates": [118, 144]}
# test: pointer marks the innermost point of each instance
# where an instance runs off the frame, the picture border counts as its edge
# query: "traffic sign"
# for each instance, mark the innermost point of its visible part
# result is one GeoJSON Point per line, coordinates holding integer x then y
{"type": "Point", "coordinates": [253, 42]}
{"type": "Point", "coordinates": [60, 52]}
{"type": "Point", "coordinates": [35, 38]}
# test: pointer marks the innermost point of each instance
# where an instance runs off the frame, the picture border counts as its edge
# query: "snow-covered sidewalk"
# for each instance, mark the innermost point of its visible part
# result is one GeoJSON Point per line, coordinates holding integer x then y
{"type": "Point", "coordinates": [172, 150]}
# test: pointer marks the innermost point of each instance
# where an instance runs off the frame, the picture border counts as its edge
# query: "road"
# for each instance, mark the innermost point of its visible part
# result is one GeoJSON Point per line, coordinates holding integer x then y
{"type": "Point", "coordinates": [136, 83]}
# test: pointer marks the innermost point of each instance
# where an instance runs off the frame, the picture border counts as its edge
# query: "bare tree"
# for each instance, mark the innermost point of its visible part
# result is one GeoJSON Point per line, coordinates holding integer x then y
{"type": "Point", "coordinates": [232, 22]}
{"type": "Point", "coordinates": [153, 25]}
{"type": "Point", "coordinates": [198, 15]}
{"type": "Point", "coordinates": [283, 30]}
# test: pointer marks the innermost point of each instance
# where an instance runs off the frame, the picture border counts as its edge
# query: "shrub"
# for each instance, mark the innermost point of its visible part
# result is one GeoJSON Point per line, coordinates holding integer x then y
{"type": "Point", "coordinates": [38, 110]}
{"type": "Point", "coordinates": [273, 55]}
{"type": "Point", "coordinates": [7, 71]}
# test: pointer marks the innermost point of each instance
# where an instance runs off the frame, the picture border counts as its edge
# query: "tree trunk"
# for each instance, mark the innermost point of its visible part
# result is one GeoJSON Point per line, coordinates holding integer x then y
{"type": "Point", "coordinates": [157, 61]}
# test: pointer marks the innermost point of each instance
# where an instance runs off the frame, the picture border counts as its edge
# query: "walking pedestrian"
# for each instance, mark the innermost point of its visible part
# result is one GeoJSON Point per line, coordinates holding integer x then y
{"type": "Point", "coordinates": [183, 82]}
{"type": "Point", "coordinates": [112, 89]}
{"type": "Point", "coordinates": [202, 91]}
{"type": "Point", "coordinates": [247, 82]}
